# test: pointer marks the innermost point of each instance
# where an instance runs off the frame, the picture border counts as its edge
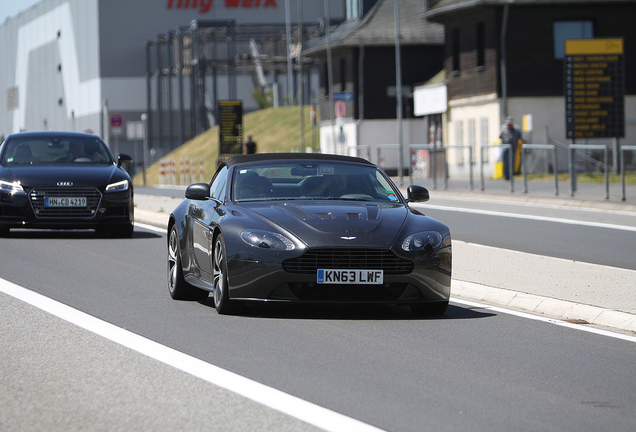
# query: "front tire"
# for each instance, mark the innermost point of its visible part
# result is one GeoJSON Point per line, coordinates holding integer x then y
{"type": "Point", "coordinates": [221, 294]}
{"type": "Point", "coordinates": [177, 286]}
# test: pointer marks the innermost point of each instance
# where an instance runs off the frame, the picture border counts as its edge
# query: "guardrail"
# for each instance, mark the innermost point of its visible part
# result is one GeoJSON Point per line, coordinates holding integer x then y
{"type": "Point", "coordinates": [524, 169]}
{"type": "Point", "coordinates": [366, 147]}
{"type": "Point", "coordinates": [431, 148]}
{"type": "Point", "coordinates": [470, 164]}
{"type": "Point", "coordinates": [571, 162]}
{"type": "Point", "coordinates": [381, 147]}
{"type": "Point", "coordinates": [623, 150]}
{"type": "Point", "coordinates": [481, 164]}
{"type": "Point", "coordinates": [572, 152]}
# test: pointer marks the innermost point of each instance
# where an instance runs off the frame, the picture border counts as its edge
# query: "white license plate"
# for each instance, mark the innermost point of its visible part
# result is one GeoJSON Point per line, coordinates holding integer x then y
{"type": "Point", "coordinates": [65, 202]}
{"type": "Point", "coordinates": [334, 276]}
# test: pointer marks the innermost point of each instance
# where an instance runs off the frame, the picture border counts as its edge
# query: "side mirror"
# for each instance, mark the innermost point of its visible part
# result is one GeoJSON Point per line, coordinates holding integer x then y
{"type": "Point", "coordinates": [123, 158]}
{"type": "Point", "coordinates": [198, 191]}
{"type": "Point", "coordinates": [417, 194]}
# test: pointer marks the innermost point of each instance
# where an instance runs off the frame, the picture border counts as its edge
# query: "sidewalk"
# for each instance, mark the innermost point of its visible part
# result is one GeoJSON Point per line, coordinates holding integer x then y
{"type": "Point", "coordinates": [583, 293]}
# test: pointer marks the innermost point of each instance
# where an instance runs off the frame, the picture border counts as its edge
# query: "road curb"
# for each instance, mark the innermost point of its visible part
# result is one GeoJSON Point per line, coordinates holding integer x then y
{"type": "Point", "coordinates": [159, 220]}
{"type": "Point", "coordinates": [554, 308]}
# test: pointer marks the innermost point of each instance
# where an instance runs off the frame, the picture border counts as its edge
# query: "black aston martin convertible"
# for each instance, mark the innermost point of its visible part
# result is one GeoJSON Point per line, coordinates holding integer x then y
{"type": "Point", "coordinates": [63, 180]}
{"type": "Point", "coordinates": [307, 228]}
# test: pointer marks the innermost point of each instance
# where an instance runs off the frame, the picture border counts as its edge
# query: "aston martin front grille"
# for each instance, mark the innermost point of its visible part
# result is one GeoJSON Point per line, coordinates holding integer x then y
{"type": "Point", "coordinates": [361, 259]}
{"type": "Point", "coordinates": [38, 200]}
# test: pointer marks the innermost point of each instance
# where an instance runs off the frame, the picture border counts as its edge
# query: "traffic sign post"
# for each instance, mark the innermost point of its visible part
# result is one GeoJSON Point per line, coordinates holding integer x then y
{"type": "Point", "coordinates": [116, 127]}
{"type": "Point", "coordinates": [340, 109]}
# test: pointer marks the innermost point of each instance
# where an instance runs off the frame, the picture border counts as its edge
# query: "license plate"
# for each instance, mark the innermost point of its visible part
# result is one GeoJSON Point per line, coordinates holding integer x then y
{"type": "Point", "coordinates": [334, 276]}
{"type": "Point", "coordinates": [65, 202]}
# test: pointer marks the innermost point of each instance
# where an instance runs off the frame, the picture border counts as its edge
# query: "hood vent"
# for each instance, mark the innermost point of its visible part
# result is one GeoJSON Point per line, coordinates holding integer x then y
{"type": "Point", "coordinates": [297, 211]}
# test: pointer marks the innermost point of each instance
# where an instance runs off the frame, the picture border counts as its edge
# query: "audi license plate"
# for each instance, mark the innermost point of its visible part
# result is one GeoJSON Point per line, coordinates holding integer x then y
{"type": "Point", "coordinates": [65, 202]}
{"type": "Point", "coordinates": [334, 276]}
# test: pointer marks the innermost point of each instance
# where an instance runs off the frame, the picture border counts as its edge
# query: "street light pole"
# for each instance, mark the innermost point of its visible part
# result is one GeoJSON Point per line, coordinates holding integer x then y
{"type": "Point", "coordinates": [290, 85]}
{"type": "Point", "coordinates": [398, 89]}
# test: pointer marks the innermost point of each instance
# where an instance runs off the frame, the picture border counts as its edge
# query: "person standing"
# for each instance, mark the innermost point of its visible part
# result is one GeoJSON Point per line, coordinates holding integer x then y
{"type": "Point", "coordinates": [510, 134]}
{"type": "Point", "coordinates": [250, 146]}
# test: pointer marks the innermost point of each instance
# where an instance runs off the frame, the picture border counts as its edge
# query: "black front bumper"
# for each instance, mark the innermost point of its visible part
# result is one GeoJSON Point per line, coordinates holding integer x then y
{"type": "Point", "coordinates": [102, 210]}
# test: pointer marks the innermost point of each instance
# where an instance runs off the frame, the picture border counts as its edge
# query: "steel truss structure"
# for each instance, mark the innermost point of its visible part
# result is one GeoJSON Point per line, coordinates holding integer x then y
{"type": "Point", "coordinates": [194, 59]}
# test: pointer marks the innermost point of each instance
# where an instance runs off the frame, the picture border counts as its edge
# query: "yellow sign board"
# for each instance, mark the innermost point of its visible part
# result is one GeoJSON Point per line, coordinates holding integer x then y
{"type": "Point", "coordinates": [594, 88]}
{"type": "Point", "coordinates": [593, 46]}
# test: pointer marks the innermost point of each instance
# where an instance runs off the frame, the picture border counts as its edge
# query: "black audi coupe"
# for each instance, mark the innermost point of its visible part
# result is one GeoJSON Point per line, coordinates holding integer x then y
{"type": "Point", "coordinates": [307, 228]}
{"type": "Point", "coordinates": [63, 180]}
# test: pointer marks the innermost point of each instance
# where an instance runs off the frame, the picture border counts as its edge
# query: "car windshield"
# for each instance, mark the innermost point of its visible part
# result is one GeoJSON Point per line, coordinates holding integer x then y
{"type": "Point", "coordinates": [317, 180]}
{"type": "Point", "coordinates": [55, 150]}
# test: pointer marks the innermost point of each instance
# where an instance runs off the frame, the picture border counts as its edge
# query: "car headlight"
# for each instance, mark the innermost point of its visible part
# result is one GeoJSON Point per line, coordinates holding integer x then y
{"type": "Point", "coordinates": [117, 187]}
{"type": "Point", "coordinates": [426, 240]}
{"type": "Point", "coordinates": [267, 240]}
{"type": "Point", "coordinates": [11, 187]}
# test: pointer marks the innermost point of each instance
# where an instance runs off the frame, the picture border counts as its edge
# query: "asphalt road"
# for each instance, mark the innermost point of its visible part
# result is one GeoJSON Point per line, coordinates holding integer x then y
{"type": "Point", "coordinates": [473, 369]}
{"type": "Point", "coordinates": [587, 235]}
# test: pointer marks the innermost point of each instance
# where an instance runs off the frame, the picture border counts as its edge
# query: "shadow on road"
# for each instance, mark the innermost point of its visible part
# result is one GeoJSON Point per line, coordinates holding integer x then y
{"type": "Point", "coordinates": [345, 312]}
{"type": "Point", "coordinates": [73, 234]}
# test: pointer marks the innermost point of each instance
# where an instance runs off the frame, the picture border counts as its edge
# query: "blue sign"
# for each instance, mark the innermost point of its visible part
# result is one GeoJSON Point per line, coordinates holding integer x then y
{"type": "Point", "coordinates": [343, 96]}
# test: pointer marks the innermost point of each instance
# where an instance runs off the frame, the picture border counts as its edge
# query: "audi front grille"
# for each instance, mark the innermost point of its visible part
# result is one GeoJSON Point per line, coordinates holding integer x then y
{"type": "Point", "coordinates": [92, 195]}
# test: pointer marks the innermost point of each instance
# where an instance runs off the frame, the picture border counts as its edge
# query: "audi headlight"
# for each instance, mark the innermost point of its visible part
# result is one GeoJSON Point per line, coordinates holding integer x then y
{"type": "Point", "coordinates": [427, 240]}
{"type": "Point", "coordinates": [117, 187]}
{"type": "Point", "coordinates": [11, 187]}
{"type": "Point", "coordinates": [267, 240]}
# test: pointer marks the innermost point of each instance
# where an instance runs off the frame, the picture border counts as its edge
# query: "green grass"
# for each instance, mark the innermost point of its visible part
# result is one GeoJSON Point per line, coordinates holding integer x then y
{"type": "Point", "coordinates": [273, 129]}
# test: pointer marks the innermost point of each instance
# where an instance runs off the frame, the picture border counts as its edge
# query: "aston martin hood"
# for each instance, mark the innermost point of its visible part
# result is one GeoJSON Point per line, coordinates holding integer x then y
{"type": "Point", "coordinates": [339, 224]}
{"type": "Point", "coordinates": [47, 176]}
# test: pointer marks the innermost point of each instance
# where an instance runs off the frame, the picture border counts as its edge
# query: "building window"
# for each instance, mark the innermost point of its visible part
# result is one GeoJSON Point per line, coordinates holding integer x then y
{"type": "Point", "coordinates": [352, 9]}
{"type": "Point", "coordinates": [459, 141]}
{"type": "Point", "coordinates": [470, 138]}
{"type": "Point", "coordinates": [455, 48]}
{"type": "Point", "coordinates": [481, 46]}
{"type": "Point", "coordinates": [483, 139]}
{"type": "Point", "coordinates": [563, 30]}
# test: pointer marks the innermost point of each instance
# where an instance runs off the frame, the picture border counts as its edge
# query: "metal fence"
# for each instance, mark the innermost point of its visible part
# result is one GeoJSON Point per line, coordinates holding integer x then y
{"type": "Point", "coordinates": [575, 153]}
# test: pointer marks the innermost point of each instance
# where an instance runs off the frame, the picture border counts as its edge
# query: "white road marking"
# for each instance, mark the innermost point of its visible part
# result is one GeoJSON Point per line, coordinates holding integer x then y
{"type": "Point", "coordinates": [533, 217]}
{"type": "Point", "coordinates": [580, 327]}
{"type": "Point", "coordinates": [538, 205]}
{"type": "Point", "coordinates": [151, 228]}
{"type": "Point", "coordinates": [294, 407]}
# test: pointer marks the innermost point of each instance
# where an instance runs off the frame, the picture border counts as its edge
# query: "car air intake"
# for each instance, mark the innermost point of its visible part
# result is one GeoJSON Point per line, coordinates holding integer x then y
{"type": "Point", "coordinates": [361, 259]}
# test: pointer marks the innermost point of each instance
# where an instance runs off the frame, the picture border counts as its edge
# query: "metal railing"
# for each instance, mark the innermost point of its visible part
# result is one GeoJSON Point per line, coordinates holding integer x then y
{"type": "Point", "coordinates": [574, 152]}
{"type": "Point", "coordinates": [510, 164]}
{"type": "Point", "coordinates": [381, 147]}
{"type": "Point", "coordinates": [623, 150]}
{"type": "Point", "coordinates": [366, 148]}
{"type": "Point", "coordinates": [432, 149]}
{"type": "Point", "coordinates": [524, 149]}
{"type": "Point", "coordinates": [470, 164]}
{"type": "Point", "coordinates": [571, 162]}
